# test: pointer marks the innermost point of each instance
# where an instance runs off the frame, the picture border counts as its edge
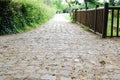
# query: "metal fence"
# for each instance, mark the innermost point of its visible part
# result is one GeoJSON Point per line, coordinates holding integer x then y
{"type": "Point", "coordinates": [99, 20]}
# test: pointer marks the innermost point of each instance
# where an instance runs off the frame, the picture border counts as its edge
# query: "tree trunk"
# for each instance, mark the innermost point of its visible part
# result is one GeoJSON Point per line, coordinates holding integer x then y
{"type": "Point", "coordinates": [70, 8]}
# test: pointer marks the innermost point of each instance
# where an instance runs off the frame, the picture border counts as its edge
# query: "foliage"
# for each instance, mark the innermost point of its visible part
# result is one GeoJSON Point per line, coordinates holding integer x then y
{"type": "Point", "coordinates": [21, 15]}
{"type": "Point", "coordinates": [111, 2]}
{"type": "Point", "coordinates": [114, 2]}
{"type": "Point", "coordinates": [58, 4]}
{"type": "Point", "coordinates": [90, 3]}
{"type": "Point", "coordinates": [75, 4]}
{"type": "Point", "coordinates": [67, 16]}
{"type": "Point", "coordinates": [118, 3]}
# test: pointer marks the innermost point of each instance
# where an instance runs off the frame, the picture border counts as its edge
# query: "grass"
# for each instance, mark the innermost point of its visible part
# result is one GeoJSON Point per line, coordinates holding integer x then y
{"type": "Point", "coordinates": [67, 16]}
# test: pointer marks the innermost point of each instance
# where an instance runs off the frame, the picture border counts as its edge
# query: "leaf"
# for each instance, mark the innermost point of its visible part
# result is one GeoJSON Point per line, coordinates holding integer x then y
{"type": "Point", "coordinates": [102, 62]}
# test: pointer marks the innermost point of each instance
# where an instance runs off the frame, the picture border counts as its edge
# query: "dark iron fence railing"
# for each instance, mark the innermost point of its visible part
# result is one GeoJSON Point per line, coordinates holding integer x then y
{"type": "Point", "coordinates": [115, 23]}
{"type": "Point", "coordinates": [98, 20]}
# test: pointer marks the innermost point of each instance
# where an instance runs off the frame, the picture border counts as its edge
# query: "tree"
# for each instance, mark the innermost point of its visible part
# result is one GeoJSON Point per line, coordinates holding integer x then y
{"type": "Point", "coordinates": [118, 3]}
{"type": "Point", "coordinates": [75, 2]}
{"type": "Point", "coordinates": [69, 5]}
{"type": "Point", "coordinates": [112, 2]}
{"type": "Point", "coordinates": [92, 2]}
{"type": "Point", "coordinates": [86, 6]}
{"type": "Point", "coordinates": [58, 4]}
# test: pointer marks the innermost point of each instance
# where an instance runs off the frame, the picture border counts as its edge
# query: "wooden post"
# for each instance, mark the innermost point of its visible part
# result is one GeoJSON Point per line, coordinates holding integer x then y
{"type": "Point", "coordinates": [73, 15]}
{"type": "Point", "coordinates": [76, 15]}
{"type": "Point", "coordinates": [112, 22]}
{"type": "Point", "coordinates": [118, 22]}
{"type": "Point", "coordinates": [95, 21]}
{"type": "Point", "coordinates": [104, 30]}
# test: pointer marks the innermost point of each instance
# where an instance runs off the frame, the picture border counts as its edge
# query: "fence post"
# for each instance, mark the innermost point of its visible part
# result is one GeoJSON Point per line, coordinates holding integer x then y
{"type": "Point", "coordinates": [105, 19]}
{"type": "Point", "coordinates": [73, 16]}
{"type": "Point", "coordinates": [86, 17]}
{"type": "Point", "coordinates": [118, 13]}
{"type": "Point", "coordinates": [76, 15]}
{"type": "Point", "coordinates": [95, 21]}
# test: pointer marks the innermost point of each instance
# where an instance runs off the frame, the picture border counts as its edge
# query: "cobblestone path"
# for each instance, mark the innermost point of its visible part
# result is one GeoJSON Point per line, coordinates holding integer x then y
{"type": "Point", "coordinates": [59, 50]}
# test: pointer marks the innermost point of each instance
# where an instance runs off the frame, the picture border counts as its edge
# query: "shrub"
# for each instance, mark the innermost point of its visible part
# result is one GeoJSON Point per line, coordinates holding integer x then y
{"type": "Point", "coordinates": [21, 15]}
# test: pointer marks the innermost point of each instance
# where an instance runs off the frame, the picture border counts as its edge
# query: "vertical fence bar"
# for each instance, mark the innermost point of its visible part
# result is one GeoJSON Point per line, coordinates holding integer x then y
{"type": "Point", "coordinates": [95, 21]}
{"type": "Point", "coordinates": [80, 16]}
{"type": "Point", "coordinates": [75, 15]}
{"type": "Point", "coordinates": [104, 31]}
{"type": "Point", "coordinates": [86, 17]}
{"type": "Point", "coordinates": [118, 22]}
{"type": "Point", "coordinates": [112, 22]}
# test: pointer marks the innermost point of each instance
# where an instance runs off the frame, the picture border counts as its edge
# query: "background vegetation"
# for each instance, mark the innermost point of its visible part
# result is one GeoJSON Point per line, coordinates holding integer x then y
{"type": "Point", "coordinates": [21, 15]}
{"type": "Point", "coordinates": [75, 4]}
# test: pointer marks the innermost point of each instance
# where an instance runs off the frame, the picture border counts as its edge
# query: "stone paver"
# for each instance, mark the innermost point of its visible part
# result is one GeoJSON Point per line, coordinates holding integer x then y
{"type": "Point", "coordinates": [59, 50]}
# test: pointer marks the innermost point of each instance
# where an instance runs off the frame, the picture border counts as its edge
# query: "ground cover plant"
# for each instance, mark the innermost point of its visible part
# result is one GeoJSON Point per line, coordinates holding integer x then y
{"type": "Point", "coordinates": [22, 15]}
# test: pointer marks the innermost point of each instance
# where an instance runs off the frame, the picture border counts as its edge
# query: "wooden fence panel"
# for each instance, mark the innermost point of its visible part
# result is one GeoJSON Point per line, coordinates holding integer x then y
{"type": "Point", "coordinates": [99, 23]}
{"type": "Point", "coordinates": [87, 18]}
{"type": "Point", "coordinates": [90, 19]}
{"type": "Point", "coordinates": [82, 17]}
{"type": "Point", "coordinates": [97, 19]}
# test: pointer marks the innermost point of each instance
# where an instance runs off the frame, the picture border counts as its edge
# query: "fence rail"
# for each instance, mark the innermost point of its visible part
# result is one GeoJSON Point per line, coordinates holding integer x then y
{"type": "Point", "coordinates": [99, 20]}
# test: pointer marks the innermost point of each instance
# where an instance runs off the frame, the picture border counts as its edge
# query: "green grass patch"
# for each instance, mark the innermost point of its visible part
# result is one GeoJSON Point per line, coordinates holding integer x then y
{"type": "Point", "coordinates": [86, 28]}
{"type": "Point", "coordinates": [67, 16]}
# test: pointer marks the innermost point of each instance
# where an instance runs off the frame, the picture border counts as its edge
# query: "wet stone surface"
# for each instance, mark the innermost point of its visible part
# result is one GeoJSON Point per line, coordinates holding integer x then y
{"type": "Point", "coordinates": [59, 50]}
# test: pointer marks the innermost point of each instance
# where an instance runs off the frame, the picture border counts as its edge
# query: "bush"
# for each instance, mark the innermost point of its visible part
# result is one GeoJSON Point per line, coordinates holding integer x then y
{"type": "Point", "coordinates": [21, 15]}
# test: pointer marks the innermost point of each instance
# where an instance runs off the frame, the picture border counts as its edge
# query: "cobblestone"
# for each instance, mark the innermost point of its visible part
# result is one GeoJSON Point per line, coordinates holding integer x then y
{"type": "Point", "coordinates": [59, 50]}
